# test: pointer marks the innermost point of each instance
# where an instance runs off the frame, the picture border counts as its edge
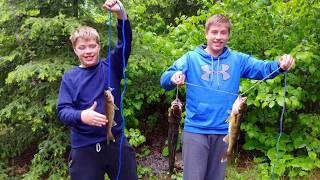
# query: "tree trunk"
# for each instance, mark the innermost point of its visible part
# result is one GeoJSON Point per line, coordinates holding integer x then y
{"type": "Point", "coordinates": [75, 6]}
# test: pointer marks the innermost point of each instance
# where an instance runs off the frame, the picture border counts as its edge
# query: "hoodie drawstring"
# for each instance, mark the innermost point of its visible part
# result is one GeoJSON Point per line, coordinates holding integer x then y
{"type": "Point", "coordinates": [98, 147]}
{"type": "Point", "coordinates": [211, 70]}
{"type": "Point", "coordinates": [218, 72]}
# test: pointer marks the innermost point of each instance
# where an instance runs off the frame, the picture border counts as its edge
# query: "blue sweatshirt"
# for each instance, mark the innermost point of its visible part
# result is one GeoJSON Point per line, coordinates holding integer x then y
{"type": "Point", "coordinates": [207, 81]}
{"type": "Point", "coordinates": [80, 87]}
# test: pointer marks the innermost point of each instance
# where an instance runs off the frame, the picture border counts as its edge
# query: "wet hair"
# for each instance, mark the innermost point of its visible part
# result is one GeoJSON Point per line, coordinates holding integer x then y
{"type": "Point", "coordinates": [218, 19]}
{"type": "Point", "coordinates": [85, 33]}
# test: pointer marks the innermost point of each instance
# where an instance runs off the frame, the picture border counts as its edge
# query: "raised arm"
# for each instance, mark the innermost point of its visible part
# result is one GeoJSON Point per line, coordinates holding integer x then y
{"type": "Point", "coordinates": [124, 36]}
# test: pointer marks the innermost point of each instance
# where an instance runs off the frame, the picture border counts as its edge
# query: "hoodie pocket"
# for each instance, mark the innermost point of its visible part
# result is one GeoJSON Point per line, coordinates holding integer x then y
{"type": "Point", "coordinates": [203, 110]}
{"type": "Point", "coordinates": [200, 112]}
{"type": "Point", "coordinates": [209, 115]}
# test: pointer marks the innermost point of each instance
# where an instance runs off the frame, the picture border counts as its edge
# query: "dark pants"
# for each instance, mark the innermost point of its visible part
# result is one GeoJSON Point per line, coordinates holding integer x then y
{"type": "Point", "coordinates": [202, 156]}
{"type": "Point", "coordinates": [92, 162]}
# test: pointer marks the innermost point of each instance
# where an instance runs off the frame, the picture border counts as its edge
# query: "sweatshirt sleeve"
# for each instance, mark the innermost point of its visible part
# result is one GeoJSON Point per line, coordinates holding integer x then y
{"type": "Point", "coordinates": [253, 68]}
{"type": "Point", "coordinates": [124, 42]}
{"type": "Point", "coordinates": [67, 112]}
{"type": "Point", "coordinates": [180, 65]}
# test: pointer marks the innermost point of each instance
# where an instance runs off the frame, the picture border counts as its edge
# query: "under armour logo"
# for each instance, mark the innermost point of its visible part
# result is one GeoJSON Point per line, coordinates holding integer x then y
{"type": "Point", "coordinates": [207, 72]}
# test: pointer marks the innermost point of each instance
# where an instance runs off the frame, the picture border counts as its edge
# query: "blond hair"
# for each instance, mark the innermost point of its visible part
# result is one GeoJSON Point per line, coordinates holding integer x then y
{"type": "Point", "coordinates": [85, 33]}
{"type": "Point", "coordinates": [218, 19]}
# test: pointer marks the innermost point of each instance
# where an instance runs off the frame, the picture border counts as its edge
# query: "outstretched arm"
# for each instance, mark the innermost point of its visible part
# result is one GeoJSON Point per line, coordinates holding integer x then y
{"type": "Point", "coordinates": [253, 68]}
{"type": "Point", "coordinates": [175, 75]}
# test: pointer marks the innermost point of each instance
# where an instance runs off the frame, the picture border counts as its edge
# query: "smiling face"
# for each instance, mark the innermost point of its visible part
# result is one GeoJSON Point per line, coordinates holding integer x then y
{"type": "Point", "coordinates": [85, 42]}
{"type": "Point", "coordinates": [217, 37]}
{"type": "Point", "coordinates": [217, 34]}
{"type": "Point", "coordinates": [87, 52]}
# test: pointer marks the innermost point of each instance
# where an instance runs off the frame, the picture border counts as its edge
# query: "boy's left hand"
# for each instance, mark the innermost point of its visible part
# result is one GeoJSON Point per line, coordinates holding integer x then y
{"type": "Point", "coordinates": [286, 62]}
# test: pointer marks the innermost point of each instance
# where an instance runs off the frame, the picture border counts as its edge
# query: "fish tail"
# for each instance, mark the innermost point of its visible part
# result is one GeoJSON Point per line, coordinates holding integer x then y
{"type": "Point", "coordinates": [226, 139]}
{"type": "Point", "coordinates": [115, 107]}
{"type": "Point", "coordinates": [110, 137]}
{"type": "Point", "coordinates": [224, 157]}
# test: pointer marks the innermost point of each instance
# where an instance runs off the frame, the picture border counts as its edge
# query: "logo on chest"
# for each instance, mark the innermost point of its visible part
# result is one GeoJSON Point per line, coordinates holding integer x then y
{"type": "Point", "coordinates": [207, 72]}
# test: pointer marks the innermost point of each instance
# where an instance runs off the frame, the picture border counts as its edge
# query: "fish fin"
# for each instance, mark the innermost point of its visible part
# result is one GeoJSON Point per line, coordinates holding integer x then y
{"type": "Point", "coordinates": [224, 158]}
{"type": "Point", "coordinates": [110, 137]}
{"type": "Point", "coordinates": [115, 107]}
{"type": "Point", "coordinates": [226, 139]}
{"type": "Point", "coordinates": [110, 89]}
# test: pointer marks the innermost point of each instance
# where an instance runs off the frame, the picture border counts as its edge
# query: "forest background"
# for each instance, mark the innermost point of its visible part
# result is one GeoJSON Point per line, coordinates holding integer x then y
{"type": "Point", "coordinates": [35, 52]}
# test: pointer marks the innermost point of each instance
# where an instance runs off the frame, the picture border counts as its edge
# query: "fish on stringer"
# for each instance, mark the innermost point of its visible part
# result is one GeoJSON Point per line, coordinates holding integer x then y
{"type": "Point", "coordinates": [110, 107]}
{"type": "Point", "coordinates": [174, 118]}
{"type": "Point", "coordinates": [234, 122]}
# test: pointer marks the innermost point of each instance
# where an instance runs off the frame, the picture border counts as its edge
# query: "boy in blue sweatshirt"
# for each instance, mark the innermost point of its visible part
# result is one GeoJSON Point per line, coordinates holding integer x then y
{"type": "Point", "coordinates": [81, 104]}
{"type": "Point", "coordinates": [212, 73]}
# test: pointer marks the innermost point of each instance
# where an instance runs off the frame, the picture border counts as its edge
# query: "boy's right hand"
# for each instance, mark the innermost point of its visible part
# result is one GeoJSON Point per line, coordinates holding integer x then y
{"type": "Point", "coordinates": [117, 7]}
{"type": "Point", "coordinates": [178, 78]}
{"type": "Point", "coordinates": [113, 5]}
{"type": "Point", "coordinates": [93, 118]}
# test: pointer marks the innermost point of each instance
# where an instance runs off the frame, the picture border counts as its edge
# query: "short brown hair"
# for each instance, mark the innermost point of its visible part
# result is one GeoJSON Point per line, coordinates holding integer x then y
{"type": "Point", "coordinates": [218, 19]}
{"type": "Point", "coordinates": [86, 33]}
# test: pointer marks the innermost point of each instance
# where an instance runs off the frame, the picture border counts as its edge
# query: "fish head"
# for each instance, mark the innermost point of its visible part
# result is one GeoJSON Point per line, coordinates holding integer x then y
{"type": "Point", "coordinates": [108, 96]}
{"type": "Point", "coordinates": [238, 105]}
{"type": "Point", "coordinates": [242, 101]}
{"type": "Point", "coordinates": [176, 106]}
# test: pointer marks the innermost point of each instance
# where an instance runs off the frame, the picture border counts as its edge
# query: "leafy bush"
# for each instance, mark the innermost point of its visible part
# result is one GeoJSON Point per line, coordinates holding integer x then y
{"type": "Point", "coordinates": [50, 162]}
{"type": "Point", "coordinates": [35, 52]}
{"type": "Point", "coordinates": [135, 137]}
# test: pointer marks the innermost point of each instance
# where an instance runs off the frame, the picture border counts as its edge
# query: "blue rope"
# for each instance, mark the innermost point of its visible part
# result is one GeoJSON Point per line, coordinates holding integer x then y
{"type": "Point", "coordinates": [281, 123]}
{"type": "Point", "coordinates": [122, 94]}
{"type": "Point", "coordinates": [125, 82]}
{"type": "Point", "coordinates": [109, 44]}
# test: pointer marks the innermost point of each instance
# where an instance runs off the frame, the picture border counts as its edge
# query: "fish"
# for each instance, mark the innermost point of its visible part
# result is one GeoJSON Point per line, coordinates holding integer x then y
{"type": "Point", "coordinates": [174, 118]}
{"type": "Point", "coordinates": [110, 107]}
{"type": "Point", "coordinates": [234, 122]}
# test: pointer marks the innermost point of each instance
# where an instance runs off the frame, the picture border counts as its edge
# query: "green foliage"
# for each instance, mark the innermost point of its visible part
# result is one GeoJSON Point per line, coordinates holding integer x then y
{"type": "Point", "coordinates": [35, 52]}
{"type": "Point", "coordinates": [43, 36]}
{"type": "Point", "coordinates": [177, 176]}
{"type": "Point", "coordinates": [267, 30]}
{"type": "Point", "coordinates": [3, 174]}
{"type": "Point", "coordinates": [251, 173]}
{"type": "Point", "coordinates": [165, 151]}
{"type": "Point", "coordinates": [143, 171]}
{"type": "Point", "coordinates": [14, 140]}
{"type": "Point", "coordinates": [135, 137]}
{"type": "Point", "coordinates": [49, 161]}
{"type": "Point", "coordinates": [145, 151]}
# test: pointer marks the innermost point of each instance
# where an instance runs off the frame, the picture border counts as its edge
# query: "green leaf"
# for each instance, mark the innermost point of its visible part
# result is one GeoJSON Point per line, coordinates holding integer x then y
{"type": "Point", "coordinates": [165, 151]}
{"type": "Point", "coordinates": [271, 104]}
{"type": "Point", "coordinates": [312, 155]}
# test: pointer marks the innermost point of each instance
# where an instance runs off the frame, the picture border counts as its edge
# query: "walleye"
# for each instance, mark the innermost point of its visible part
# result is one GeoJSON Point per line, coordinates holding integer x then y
{"type": "Point", "coordinates": [109, 108]}
{"type": "Point", "coordinates": [234, 121]}
{"type": "Point", "coordinates": [175, 112]}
